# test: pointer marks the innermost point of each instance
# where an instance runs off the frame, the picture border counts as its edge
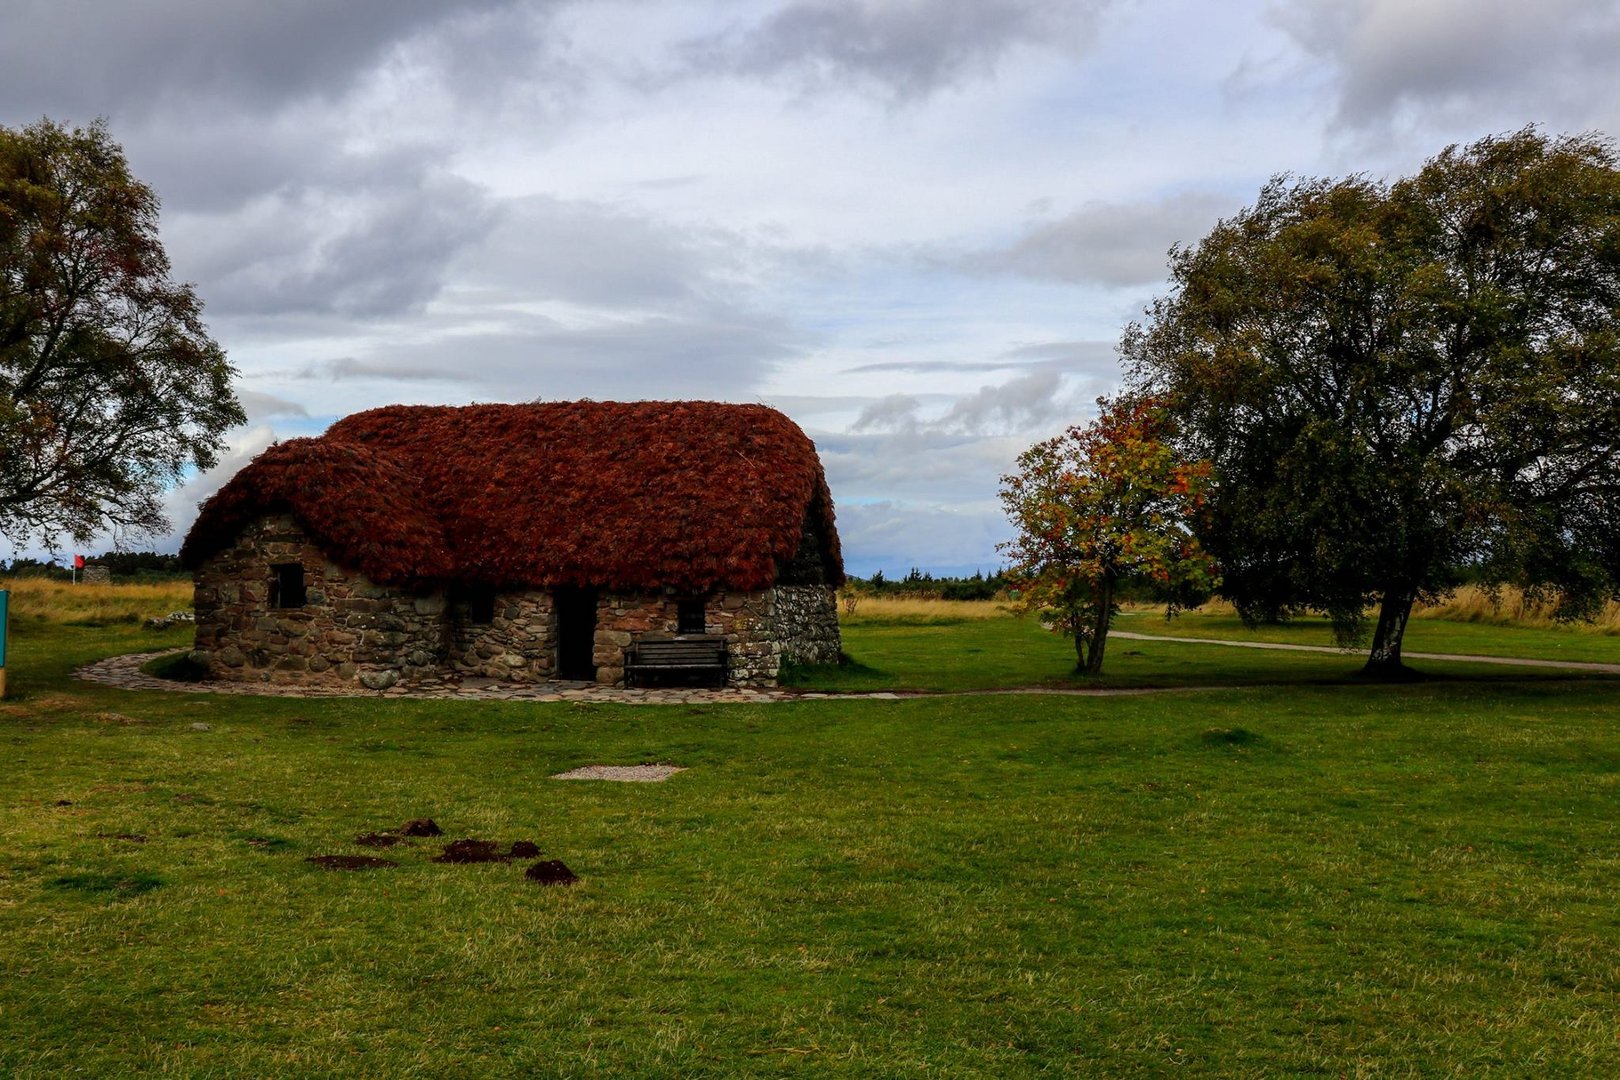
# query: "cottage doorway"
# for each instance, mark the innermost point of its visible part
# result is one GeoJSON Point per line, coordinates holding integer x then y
{"type": "Point", "coordinates": [576, 633]}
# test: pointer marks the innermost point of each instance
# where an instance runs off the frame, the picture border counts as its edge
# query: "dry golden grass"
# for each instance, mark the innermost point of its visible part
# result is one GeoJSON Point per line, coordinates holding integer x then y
{"type": "Point", "coordinates": [57, 601]}
{"type": "Point", "coordinates": [866, 608]}
{"type": "Point", "coordinates": [1469, 604]}
{"type": "Point", "coordinates": [1508, 607]}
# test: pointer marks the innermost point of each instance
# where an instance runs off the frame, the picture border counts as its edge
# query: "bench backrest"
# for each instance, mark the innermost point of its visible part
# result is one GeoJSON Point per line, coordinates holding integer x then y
{"type": "Point", "coordinates": [697, 650]}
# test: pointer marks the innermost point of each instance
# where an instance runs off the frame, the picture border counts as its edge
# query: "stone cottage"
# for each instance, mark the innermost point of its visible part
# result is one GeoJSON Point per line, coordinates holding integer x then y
{"type": "Point", "coordinates": [522, 543]}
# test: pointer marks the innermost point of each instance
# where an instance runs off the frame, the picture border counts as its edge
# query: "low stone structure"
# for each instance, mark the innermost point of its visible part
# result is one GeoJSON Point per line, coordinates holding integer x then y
{"type": "Point", "coordinates": [284, 594]}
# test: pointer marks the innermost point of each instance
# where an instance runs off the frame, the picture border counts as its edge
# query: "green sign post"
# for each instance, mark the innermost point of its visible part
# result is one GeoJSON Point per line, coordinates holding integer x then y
{"type": "Point", "coordinates": [4, 626]}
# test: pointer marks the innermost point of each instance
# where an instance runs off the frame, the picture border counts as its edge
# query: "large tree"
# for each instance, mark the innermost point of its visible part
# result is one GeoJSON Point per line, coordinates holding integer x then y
{"type": "Point", "coordinates": [1398, 380]}
{"type": "Point", "coordinates": [110, 386]}
{"type": "Point", "coordinates": [1097, 504]}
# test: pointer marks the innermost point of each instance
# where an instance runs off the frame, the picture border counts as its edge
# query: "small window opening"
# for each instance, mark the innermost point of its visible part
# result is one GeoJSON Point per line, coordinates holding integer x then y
{"type": "Point", "coordinates": [481, 605]}
{"type": "Point", "coordinates": [287, 585]}
{"type": "Point", "coordinates": [689, 616]}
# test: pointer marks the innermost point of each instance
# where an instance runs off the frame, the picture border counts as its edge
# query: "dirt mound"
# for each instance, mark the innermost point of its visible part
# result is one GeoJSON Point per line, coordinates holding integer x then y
{"type": "Point", "coordinates": [472, 851]}
{"type": "Point", "coordinates": [524, 849]}
{"type": "Point", "coordinates": [350, 862]}
{"type": "Point", "coordinates": [377, 839]}
{"type": "Point", "coordinates": [551, 872]}
{"type": "Point", "coordinates": [420, 827]}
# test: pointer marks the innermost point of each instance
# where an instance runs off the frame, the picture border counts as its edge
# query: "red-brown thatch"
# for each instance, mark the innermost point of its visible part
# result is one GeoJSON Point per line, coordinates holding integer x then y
{"type": "Point", "coordinates": [647, 494]}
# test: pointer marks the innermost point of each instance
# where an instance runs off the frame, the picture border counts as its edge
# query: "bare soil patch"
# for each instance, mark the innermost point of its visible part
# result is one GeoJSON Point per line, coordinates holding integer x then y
{"type": "Point", "coordinates": [350, 862]}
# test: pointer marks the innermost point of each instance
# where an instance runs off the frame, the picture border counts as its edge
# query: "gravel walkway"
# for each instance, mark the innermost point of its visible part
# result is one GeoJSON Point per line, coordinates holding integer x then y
{"type": "Point", "coordinates": [125, 672]}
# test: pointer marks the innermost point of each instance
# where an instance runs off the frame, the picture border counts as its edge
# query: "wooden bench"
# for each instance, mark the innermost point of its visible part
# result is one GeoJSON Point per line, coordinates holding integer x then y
{"type": "Point", "coordinates": [686, 656]}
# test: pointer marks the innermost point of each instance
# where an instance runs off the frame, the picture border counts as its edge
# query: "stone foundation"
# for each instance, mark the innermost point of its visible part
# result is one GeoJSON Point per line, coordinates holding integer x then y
{"type": "Point", "coordinates": [349, 628]}
{"type": "Point", "coordinates": [352, 630]}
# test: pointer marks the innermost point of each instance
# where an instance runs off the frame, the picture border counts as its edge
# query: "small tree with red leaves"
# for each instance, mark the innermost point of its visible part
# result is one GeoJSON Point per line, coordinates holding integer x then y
{"type": "Point", "coordinates": [1096, 504]}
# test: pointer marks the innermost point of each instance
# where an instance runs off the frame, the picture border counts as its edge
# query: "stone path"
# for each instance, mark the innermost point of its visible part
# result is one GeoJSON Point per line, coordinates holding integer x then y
{"type": "Point", "coordinates": [1511, 661]}
{"type": "Point", "coordinates": [125, 672]}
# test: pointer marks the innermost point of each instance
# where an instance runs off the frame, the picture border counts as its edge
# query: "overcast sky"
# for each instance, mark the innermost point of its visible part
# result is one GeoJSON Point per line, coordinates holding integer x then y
{"type": "Point", "coordinates": [915, 226]}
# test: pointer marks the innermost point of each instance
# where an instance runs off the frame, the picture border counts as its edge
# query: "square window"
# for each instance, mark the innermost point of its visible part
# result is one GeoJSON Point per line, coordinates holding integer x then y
{"type": "Point", "coordinates": [689, 616]}
{"type": "Point", "coordinates": [480, 605]}
{"type": "Point", "coordinates": [287, 585]}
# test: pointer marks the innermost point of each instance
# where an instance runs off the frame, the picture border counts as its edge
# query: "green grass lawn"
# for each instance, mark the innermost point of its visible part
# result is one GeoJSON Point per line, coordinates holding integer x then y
{"type": "Point", "coordinates": [1001, 653]}
{"type": "Point", "coordinates": [1306, 877]}
{"type": "Point", "coordinates": [1422, 635]}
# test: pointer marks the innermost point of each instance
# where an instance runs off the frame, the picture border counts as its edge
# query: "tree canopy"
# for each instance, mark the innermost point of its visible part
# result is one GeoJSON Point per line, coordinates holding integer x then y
{"type": "Point", "coordinates": [1397, 380]}
{"type": "Point", "coordinates": [110, 386]}
{"type": "Point", "coordinates": [1095, 504]}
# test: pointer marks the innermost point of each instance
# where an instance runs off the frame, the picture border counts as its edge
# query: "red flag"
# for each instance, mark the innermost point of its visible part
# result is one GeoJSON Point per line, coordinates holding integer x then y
{"type": "Point", "coordinates": [78, 562]}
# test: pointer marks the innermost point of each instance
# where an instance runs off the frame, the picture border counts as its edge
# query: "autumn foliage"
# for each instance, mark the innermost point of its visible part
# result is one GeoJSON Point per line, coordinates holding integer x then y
{"type": "Point", "coordinates": [111, 389]}
{"type": "Point", "coordinates": [1096, 504]}
{"type": "Point", "coordinates": [693, 495]}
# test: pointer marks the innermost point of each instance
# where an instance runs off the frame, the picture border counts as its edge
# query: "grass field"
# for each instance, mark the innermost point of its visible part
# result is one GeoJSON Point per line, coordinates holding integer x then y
{"type": "Point", "coordinates": [1300, 876]}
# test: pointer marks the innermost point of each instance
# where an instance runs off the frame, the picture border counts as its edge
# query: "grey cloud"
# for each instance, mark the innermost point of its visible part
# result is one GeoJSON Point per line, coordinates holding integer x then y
{"type": "Point", "coordinates": [908, 50]}
{"type": "Point", "coordinates": [1462, 58]}
{"type": "Point", "coordinates": [720, 354]}
{"type": "Point", "coordinates": [1025, 405]}
{"type": "Point", "coordinates": [1116, 244]}
{"type": "Point", "coordinates": [1090, 357]}
{"type": "Point", "coordinates": [592, 254]}
{"type": "Point", "coordinates": [894, 412]}
{"type": "Point", "coordinates": [81, 58]}
{"type": "Point", "coordinates": [916, 465]}
{"type": "Point", "coordinates": [347, 367]}
{"type": "Point", "coordinates": [361, 252]}
{"type": "Point", "coordinates": [264, 406]}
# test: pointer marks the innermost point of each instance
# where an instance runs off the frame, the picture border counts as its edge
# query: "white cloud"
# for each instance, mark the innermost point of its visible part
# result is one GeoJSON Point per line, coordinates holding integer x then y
{"type": "Point", "coordinates": [180, 505]}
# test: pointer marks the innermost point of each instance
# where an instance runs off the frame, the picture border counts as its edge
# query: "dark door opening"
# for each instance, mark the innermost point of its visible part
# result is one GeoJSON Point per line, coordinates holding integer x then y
{"type": "Point", "coordinates": [576, 633]}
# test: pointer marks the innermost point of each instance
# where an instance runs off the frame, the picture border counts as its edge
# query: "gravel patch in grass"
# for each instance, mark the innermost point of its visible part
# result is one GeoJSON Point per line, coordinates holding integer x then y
{"type": "Point", "coordinates": [634, 774]}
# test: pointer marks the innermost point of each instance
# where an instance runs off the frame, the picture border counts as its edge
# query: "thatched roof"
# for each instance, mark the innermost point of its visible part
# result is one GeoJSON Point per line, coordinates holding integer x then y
{"type": "Point", "coordinates": [690, 494]}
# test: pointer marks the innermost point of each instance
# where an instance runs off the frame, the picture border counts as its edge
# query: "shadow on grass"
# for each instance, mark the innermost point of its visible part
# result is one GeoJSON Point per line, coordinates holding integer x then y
{"type": "Point", "coordinates": [114, 886]}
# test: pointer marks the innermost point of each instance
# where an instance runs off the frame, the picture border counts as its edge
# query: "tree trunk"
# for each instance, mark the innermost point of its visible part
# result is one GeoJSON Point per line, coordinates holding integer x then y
{"type": "Point", "coordinates": [1102, 595]}
{"type": "Point", "coordinates": [1384, 661]}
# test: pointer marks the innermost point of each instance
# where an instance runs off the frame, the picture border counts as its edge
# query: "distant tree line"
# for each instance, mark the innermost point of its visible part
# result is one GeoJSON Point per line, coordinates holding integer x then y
{"type": "Point", "coordinates": [999, 585]}
{"type": "Point", "coordinates": [137, 566]}
{"type": "Point", "coordinates": [925, 586]}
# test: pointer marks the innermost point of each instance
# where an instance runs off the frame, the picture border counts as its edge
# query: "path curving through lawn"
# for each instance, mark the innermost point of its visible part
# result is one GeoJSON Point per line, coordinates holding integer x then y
{"type": "Point", "coordinates": [1513, 661]}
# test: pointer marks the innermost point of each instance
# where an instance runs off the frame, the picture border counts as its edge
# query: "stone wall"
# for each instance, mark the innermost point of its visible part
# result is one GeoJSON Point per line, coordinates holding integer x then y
{"type": "Point", "coordinates": [623, 617]}
{"type": "Point", "coordinates": [349, 629]}
{"type": "Point", "coordinates": [807, 624]}
{"type": "Point", "coordinates": [353, 630]}
{"type": "Point", "coordinates": [762, 629]}
{"type": "Point", "coordinates": [518, 645]}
